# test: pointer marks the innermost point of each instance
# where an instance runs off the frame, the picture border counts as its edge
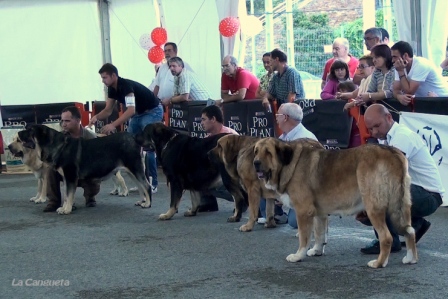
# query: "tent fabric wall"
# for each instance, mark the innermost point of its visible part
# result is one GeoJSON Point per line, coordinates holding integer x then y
{"type": "Point", "coordinates": [129, 19]}
{"type": "Point", "coordinates": [434, 30]}
{"type": "Point", "coordinates": [194, 28]}
{"type": "Point", "coordinates": [50, 52]}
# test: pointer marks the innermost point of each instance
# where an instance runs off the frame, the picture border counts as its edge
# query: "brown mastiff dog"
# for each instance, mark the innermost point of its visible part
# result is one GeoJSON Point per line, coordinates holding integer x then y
{"type": "Point", "coordinates": [318, 182]}
{"type": "Point", "coordinates": [237, 154]}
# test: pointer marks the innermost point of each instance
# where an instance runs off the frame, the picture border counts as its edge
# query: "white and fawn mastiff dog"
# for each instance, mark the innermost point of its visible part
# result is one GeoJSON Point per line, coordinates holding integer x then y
{"type": "Point", "coordinates": [318, 182]}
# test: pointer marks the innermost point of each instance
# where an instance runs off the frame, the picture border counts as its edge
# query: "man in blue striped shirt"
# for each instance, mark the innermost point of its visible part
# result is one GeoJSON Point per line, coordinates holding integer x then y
{"type": "Point", "coordinates": [285, 86]}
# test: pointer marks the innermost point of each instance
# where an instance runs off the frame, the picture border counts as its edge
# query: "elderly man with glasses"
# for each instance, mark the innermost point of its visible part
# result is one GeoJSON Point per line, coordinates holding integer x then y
{"type": "Point", "coordinates": [237, 83]}
{"type": "Point", "coordinates": [289, 119]}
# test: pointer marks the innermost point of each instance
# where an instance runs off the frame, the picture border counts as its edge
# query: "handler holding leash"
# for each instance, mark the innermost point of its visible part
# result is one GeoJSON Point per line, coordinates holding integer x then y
{"type": "Point", "coordinates": [142, 108]}
{"type": "Point", "coordinates": [71, 125]}
{"type": "Point", "coordinates": [426, 185]}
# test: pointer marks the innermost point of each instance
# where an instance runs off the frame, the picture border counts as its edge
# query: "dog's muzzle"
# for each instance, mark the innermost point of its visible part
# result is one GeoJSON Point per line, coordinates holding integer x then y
{"type": "Point", "coordinates": [257, 165]}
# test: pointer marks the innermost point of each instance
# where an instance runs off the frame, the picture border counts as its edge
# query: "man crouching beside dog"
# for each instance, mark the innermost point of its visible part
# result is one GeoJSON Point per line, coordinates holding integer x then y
{"type": "Point", "coordinates": [71, 125]}
{"type": "Point", "coordinates": [426, 185]}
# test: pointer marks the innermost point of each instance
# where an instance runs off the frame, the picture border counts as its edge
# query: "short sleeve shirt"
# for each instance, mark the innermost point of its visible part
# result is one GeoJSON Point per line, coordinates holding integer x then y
{"type": "Point", "coordinates": [288, 82]}
{"type": "Point", "coordinates": [144, 98]}
{"type": "Point", "coordinates": [243, 79]}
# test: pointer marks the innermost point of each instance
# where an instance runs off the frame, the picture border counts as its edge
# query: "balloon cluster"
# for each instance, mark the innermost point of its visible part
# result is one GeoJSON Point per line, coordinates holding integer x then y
{"type": "Point", "coordinates": [153, 42]}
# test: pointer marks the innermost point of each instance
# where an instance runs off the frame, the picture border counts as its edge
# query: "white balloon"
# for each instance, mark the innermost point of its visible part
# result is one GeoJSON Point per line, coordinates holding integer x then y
{"type": "Point", "coordinates": [145, 41]}
{"type": "Point", "coordinates": [251, 25]}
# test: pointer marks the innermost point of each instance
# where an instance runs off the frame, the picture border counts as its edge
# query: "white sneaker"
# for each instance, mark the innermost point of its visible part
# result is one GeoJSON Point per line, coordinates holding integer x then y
{"type": "Point", "coordinates": [261, 220]}
{"type": "Point", "coordinates": [154, 190]}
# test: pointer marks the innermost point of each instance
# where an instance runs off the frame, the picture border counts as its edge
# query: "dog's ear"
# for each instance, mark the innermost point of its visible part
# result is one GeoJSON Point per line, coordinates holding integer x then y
{"type": "Point", "coordinates": [284, 153]}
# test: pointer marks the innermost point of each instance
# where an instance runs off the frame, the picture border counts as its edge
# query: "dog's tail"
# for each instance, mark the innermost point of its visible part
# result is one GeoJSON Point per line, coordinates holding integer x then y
{"type": "Point", "coordinates": [399, 208]}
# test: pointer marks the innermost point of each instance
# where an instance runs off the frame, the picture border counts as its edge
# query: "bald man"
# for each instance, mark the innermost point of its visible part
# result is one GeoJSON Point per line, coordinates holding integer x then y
{"type": "Point", "coordinates": [426, 185]}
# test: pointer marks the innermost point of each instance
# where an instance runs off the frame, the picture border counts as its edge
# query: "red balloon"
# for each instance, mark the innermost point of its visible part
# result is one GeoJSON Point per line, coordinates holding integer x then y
{"type": "Point", "coordinates": [159, 36]}
{"type": "Point", "coordinates": [229, 26]}
{"type": "Point", "coordinates": [156, 54]}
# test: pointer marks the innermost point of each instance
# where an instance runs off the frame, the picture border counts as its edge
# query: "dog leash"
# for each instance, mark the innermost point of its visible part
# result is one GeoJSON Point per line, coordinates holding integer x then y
{"type": "Point", "coordinates": [166, 145]}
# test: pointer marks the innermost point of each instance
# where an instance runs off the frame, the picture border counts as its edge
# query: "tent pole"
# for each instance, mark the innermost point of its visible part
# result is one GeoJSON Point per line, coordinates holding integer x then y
{"type": "Point", "coordinates": [103, 7]}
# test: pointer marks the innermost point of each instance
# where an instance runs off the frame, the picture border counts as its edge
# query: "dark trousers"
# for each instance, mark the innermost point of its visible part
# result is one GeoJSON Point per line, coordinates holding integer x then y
{"type": "Point", "coordinates": [424, 203]}
{"type": "Point", "coordinates": [91, 188]}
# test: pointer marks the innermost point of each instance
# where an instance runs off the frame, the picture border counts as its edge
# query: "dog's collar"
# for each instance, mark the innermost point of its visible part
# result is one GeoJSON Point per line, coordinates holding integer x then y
{"type": "Point", "coordinates": [166, 144]}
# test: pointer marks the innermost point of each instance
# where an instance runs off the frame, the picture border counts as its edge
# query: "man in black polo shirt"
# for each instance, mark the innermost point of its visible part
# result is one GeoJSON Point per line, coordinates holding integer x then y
{"type": "Point", "coordinates": [142, 109]}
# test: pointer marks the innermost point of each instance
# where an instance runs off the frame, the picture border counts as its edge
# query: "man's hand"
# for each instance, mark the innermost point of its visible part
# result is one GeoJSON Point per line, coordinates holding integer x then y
{"type": "Point", "coordinates": [219, 102]}
{"type": "Point", "coordinates": [92, 121]}
{"type": "Point", "coordinates": [166, 101]}
{"type": "Point", "coordinates": [265, 103]}
{"type": "Point", "coordinates": [405, 99]}
{"type": "Point", "coordinates": [107, 129]}
{"type": "Point", "coordinates": [400, 65]}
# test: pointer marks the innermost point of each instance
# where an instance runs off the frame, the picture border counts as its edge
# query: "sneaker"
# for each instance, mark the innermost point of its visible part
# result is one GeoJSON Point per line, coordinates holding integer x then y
{"type": "Point", "coordinates": [153, 189]}
{"type": "Point", "coordinates": [281, 219]}
{"type": "Point", "coordinates": [261, 220]}
{"type": "Point", "coordinates": [374, 248]}
{"type": "Point", "coordinates": [133, 189]}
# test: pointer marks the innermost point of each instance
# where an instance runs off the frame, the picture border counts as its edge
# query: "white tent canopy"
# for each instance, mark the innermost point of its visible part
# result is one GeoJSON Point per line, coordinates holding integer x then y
{"type": "Point", "coordinates": [52, 49]}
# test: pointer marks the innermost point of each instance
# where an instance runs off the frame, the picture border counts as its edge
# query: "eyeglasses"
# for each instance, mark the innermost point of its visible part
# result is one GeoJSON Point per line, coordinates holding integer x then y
{"type": "Point", "coordinates": [362, 66]}
{"type": "Point", "coordinates": [369, 38]}
{"type": "Point", "coordinates": [226, 66]}
{"type": "Point", "coordinates": [279, 114]}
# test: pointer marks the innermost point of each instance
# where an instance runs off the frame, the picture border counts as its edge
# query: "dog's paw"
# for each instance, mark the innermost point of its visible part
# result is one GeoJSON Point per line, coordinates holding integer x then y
{"type": "Point", "coordinates": [165, 216]}
{"type": "Point", "coordinates": [246, 228]}
{"type": "Point", "coordinates": [270, 223]}
{"type": "Point", "coordinates": [294, 258]}
{"type": "Point", "coordinates": [114, 192]}
{"type": "Point", "coordinates": [40, 200]}
{"type": "Point", "coordinates": [314, 252]}
{"type": "Point", "coordinates": [409, 259]}
{"type": "Point", "coordinates": [123, 193]}
{"type": "Point", "coordinates": [189, 213]}
{"type": "Point", "coordinates": [375, 265]}
{"type": "Point", "coordinates": [32, 199]}
{"type": "Point", "coordinates": [233, 219]}
{"type": "Point", "coordinates": [143, 204]}
{"type": "Point", "coordinates": [64, 211]}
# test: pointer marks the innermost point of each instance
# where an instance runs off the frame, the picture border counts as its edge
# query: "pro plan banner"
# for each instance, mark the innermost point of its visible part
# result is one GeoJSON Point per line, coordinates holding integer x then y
{"type": "Point", "coordinates": [434, 131]}
{"type": "Point", "coordinates": [18, 115]}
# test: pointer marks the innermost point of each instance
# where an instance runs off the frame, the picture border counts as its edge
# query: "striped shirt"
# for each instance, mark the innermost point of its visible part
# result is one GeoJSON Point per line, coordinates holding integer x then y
{"type": "Point", "coordinates": [187, 82]}
{"type": "Point", "coordinates": [288, 82]}
{"type": "Point", "coordinates": [382, 82]}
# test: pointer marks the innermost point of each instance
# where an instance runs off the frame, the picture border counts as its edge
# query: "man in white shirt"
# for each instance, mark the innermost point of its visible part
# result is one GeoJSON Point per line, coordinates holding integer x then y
{"type": "Point", "coordinates": [415, 76]}
{"type": "Point", "coordinates": [164, 81]}
{"type": "Point", "coordinates": [426, 185]}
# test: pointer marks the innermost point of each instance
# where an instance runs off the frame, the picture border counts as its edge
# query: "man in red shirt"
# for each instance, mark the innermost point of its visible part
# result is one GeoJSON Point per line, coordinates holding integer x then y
{"type": "Point", "coordinates": [340, 51]}
{"type": "Point", "coordinates": [237, 83]}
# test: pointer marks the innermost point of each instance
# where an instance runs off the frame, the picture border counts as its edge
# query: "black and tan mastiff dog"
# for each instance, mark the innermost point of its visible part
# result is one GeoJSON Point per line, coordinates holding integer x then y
{"type": "Point", "coordinates": [317, 182]}
{"type": "Point", "coordinates": [237, 154]}
{"type": "Point", "coordinates": [186, 165]}
{"type": "Point", "coordinates": [78, 158]}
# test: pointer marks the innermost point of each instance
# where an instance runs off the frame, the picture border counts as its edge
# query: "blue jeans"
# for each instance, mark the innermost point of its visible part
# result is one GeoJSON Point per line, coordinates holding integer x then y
{"type": "Point", "coordinates": [137, 124]}
{"type": "Point", "coordinates": [278, 211]}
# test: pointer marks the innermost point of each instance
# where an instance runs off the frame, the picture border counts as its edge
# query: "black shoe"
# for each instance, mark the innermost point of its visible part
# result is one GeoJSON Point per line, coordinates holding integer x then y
{"type": "Point", "coordinates": [208, 208]}
{"type": "Point", "coordinates": [91, 203]}
{"type": "Point", "coordinates": [374, 248]}
{"type": "Point", "coordinates": [50, 208]}
{"type": "Point", "coordinates": [420, 232]}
